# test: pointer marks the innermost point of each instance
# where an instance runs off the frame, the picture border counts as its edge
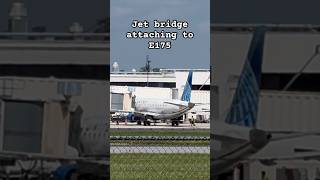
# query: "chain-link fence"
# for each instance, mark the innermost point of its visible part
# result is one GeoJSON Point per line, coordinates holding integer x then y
{"type": "Point", "coordinates": [160, 157]}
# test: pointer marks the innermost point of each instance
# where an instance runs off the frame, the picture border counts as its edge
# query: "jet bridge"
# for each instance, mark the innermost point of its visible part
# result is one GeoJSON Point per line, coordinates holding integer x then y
{"type": "Point", "coordinates": [40, 131]}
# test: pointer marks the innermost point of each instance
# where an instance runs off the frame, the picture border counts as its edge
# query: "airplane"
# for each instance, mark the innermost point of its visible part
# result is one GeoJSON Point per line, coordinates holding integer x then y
{"type": "Point", "coordinates": [153, 109]}
{"type": "Point", "coordinates": [237, 137]}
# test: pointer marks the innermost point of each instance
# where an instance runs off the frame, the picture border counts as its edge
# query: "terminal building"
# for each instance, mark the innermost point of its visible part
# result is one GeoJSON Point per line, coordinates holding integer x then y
{"type": "Point", "coordinates": [165, 78]}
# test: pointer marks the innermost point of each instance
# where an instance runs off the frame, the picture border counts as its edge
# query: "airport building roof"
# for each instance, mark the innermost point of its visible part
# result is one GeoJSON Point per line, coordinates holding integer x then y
{"type": "Point", "coordinates": [54, 48]}
{"type": "Point", "coordinates": [270, 27]}
{"type": "Point", "coordinates": [164, 78]}
{"type": "Point", "coordinates": [47, 36]}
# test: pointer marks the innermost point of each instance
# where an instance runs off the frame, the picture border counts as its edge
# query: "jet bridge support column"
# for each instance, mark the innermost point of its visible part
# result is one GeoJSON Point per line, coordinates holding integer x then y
{"type": "Point", "coordinates": [236, 173]}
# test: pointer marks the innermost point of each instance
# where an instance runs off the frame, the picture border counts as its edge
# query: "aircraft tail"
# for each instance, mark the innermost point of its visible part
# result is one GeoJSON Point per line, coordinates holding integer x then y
{"type": "Point", "coordinates": [186, 95]}
{"type": "Point", "coordinates": [244, 107]}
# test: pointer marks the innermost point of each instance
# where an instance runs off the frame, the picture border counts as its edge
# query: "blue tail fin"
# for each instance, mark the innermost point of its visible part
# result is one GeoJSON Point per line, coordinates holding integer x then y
{"type": "Point", "coordinates": [186, 95]}
{"type": "Point", "coordinates": [245, 101]}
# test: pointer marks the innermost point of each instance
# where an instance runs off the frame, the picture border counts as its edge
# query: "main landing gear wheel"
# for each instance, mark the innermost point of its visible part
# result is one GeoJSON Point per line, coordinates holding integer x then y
{"type": "Point", "coordinates": [175, 123]}
{"type": "Point", "coordinates": [147, 121]}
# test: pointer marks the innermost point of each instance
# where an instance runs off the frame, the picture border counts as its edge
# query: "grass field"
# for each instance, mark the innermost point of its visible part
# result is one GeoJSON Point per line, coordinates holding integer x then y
{"type": "Point", "coordinates": [164, 143]}
{"type": "Point", "coordinates": [160, 133]}
{"type": "Point", "coordinates": [159, 166]}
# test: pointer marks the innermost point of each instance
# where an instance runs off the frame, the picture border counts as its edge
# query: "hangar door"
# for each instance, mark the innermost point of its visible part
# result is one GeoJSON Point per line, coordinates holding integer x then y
{"type": "Point", "coordinates": [116, 101]}
{"type": "Point", "coordinates": [23, 126]}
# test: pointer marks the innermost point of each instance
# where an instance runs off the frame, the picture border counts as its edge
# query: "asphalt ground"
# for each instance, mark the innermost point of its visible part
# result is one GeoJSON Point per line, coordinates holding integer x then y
{"type": "Point", "coordinates": [160, 126]}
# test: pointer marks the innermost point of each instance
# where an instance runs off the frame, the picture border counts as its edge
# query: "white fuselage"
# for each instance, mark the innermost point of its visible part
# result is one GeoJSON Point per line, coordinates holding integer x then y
{"type": "Point", "coordinates": [162, 109]}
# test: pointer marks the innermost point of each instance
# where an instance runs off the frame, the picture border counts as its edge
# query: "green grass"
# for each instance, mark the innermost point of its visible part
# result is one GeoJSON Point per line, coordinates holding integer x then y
{"type": "Point", "coordinates": [167, 143]}
{"type": "Point", "coordinates": [160, 133]}
{"type": "Point", "coordinates": [142, 166]}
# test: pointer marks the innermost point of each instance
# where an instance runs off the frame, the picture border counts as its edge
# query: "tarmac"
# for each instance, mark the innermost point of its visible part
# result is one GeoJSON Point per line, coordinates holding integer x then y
{"type": "Point", "coordinates": [159, 126]}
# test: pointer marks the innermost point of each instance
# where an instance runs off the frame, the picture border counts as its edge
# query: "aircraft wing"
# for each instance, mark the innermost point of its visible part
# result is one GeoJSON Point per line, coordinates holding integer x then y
{"type": "Point", "coordinates": [145, 113]}
{"type": "Point", "coordinates": [205, 110]}
{"type": "Point", "coordinates": [304, 156]}
{"type": "Point", "coordinates": [180, 104]}
{"type": "Point", "coordinates": [174, 103]}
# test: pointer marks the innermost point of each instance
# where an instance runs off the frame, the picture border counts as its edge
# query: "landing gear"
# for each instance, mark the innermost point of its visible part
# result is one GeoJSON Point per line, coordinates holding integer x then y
{"type": "Point", "coordinates": [147, 121]}
{"type": "Point", "coordinates": [175, 123]}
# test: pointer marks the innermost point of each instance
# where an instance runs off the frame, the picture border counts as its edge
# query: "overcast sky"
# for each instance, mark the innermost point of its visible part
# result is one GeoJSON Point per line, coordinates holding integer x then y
{"type": "Point", "coordinates": [57, 15]}
{"type": "Point", "coordinates": [185, 53]}
{"type": "Point", "coordinates": [265, 11]}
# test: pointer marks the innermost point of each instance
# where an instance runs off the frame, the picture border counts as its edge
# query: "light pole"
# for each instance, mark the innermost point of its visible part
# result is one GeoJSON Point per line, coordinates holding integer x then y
{"type": "Point", "coordinates": [147, 69]}
{"type": "Point", "coordinates": [316, 52]}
